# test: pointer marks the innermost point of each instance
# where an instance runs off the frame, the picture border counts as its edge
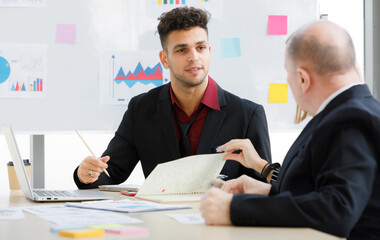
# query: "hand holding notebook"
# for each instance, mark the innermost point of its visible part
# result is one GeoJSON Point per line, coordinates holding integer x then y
{"type": "Point", "coordinates": [185, 179]}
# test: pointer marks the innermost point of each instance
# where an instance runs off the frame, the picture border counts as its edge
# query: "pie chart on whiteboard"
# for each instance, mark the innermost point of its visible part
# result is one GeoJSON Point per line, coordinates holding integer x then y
{"type": "Point", "coordinates": [5, 70]}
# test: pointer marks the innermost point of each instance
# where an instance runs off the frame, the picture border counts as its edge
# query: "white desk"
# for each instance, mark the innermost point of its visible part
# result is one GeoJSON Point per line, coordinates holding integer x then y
{"type": "Point", "coordinates": [160, 226]}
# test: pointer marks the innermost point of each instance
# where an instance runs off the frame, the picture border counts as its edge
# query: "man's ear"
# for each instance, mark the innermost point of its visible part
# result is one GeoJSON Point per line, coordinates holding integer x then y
{"type": "Point", "coordinates": [164, 59]}
{"type": "Point", "coordinates": [304, 79]}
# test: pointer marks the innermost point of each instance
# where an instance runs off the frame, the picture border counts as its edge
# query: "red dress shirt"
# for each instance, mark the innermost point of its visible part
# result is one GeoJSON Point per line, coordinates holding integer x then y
{"type": "Point", "coordinates": [209, 100]}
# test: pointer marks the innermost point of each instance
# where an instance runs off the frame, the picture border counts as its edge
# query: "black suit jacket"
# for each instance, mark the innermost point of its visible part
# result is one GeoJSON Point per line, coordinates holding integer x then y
{"type": "Point", "coordinates": [147, 134]}
{"type": "Point", "coordinates": [330, 176]}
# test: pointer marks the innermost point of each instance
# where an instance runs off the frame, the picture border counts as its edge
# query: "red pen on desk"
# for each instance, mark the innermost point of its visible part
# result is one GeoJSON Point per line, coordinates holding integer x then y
{"type": "Point", "coordinates": [128, 193]}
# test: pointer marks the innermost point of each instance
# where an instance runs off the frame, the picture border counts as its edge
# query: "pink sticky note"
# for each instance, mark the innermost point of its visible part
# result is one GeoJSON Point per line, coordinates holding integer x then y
{"type": "Point", "coordinates": [66, 33]}
{"type": "Point", "coordinates": [128, 230]}
{"type": "Point", "coordinates": [277, 25]}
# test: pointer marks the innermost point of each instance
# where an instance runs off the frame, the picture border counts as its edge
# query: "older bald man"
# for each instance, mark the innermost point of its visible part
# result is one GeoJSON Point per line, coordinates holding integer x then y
{"type": "Point", "coordinates": [330, 177]}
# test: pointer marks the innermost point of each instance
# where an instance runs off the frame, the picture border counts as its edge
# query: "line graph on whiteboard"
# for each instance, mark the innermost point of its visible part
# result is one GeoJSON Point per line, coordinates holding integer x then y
{"type": "Point", "coordinates": [125, 74]}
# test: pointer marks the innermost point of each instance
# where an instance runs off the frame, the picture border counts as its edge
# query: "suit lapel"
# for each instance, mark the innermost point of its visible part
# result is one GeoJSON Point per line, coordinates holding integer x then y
{"type": "Point", "coordinates": [210, 129]}
{"type": "Point", "coordinates": [301, 142]}
{"type": "Point", "coordinates": [212, 125]}
{"type": "Point", "coordinates": [166, 123]}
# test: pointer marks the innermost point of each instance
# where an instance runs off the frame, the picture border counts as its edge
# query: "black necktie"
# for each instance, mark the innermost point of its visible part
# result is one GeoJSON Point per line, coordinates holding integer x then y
{"type": "Point", "coordinates": [184, 142]}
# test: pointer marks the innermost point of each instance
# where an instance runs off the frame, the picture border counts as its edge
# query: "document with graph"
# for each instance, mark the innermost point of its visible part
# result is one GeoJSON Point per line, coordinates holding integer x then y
{"type": "Point", "coordinates": [185, 179]}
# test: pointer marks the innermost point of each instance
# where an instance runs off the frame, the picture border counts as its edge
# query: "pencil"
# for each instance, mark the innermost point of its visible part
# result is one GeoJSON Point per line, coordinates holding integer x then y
{"type": "Point", "coordinates": [105, 170]}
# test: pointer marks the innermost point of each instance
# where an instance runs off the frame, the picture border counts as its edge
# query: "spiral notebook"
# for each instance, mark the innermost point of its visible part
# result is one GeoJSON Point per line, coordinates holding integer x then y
{"type": "Point", "coordinates": [118, 188]}
{"type": "Point", "coordinates": [182, 180]}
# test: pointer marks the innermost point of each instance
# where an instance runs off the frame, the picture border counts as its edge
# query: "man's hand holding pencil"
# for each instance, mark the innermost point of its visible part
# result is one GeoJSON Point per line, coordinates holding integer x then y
{"type": "Point", "coordinates": [91, 167]}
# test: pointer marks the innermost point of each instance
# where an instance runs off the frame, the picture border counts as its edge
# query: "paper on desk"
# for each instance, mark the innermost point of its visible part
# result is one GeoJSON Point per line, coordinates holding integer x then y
{"type": "Point", "coordinates": [127, 205]}
{"type": "Point", "coordinates": [11, 214]}
{"type": "Point", "coordinates": [51, 210]}
{"type": "Point", "coordinates": [54, 209]}
{"type": "Point", "coordinates": [63, 215]}
{"type": "Point", "coordinates": [91, 217]}
{"type": "Point", "coordinates": [187, 218]}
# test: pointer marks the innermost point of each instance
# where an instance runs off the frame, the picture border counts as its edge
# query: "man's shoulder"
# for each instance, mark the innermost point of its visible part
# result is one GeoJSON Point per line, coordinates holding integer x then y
{"type": "Point", "coordinates": [152, 95]}
{"type": "Point", "coordinates": [356, 102]}
{"type": "Point", "coordinates": [359, 112]}
{"type": "Point", "coordinates": [358, 107]}
{"type": "Point", "coordinates": [233, 100]}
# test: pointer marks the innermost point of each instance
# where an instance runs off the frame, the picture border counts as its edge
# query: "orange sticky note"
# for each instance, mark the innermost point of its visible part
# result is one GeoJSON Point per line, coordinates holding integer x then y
{"type": "Point", "coordinates": [278, 93]}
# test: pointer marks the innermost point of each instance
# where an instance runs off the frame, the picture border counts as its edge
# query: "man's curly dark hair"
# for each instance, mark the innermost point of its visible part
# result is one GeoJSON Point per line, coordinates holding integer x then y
{"type": "Point", "coordinates": [182, 18]}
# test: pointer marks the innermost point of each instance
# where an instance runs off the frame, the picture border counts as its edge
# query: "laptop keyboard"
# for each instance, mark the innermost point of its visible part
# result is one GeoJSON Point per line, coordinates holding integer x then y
{"type": "Point", "coordinates": [53, 193]}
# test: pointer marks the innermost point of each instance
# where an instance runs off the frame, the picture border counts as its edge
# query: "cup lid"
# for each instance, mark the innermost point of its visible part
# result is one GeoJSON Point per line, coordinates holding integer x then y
{"type": "Point", "coordinates": [26, 162]}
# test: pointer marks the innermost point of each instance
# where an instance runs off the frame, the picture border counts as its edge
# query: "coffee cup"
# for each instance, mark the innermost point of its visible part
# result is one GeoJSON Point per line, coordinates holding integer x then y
{"type": "Point", "coordinates": [13, 181]}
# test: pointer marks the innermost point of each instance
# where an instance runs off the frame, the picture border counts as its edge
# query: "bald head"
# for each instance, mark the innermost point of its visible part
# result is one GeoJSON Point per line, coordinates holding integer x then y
{"type": "Point", "coordinates": [322, 47]}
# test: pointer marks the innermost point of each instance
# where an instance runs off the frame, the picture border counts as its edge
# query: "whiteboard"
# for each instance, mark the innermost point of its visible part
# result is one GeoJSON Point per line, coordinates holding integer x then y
{"type": "Point", "coordinates": [72, 98]}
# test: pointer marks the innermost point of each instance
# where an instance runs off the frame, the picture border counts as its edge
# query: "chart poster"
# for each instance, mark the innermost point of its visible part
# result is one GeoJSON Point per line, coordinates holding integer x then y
{"type": "Point", "coordinates": [156, 7]}
{"type": "Point", "coordinates": [125, 74]}
{"type": "Point", "coordinates": [23, 3]}
{"type": "Point", "coordinates": [23, 70]}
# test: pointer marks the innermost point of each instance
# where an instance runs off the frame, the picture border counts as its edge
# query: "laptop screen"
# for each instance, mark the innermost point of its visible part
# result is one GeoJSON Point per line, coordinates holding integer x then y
{"type": "Point", "coordinates": [17, 161]}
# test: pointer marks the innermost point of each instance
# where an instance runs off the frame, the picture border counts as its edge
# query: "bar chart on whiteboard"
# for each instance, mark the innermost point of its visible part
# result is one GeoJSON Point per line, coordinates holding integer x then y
{"type": "Point", "coordinates": [125, 74]}
{"type": "Point", "coordinates": [155, 8]}
{"type": "Point", "coordinates": [23, 3]}
{"type": "Point", "coordinates": [23, 71]}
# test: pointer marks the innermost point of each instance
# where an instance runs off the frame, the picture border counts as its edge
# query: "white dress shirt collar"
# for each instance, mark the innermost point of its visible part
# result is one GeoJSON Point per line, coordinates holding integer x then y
{"type": "Point", "coordinates": [335, 94]}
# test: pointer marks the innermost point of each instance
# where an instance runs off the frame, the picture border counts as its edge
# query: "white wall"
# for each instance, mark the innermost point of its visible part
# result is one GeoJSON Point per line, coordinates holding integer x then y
{"type": "Point", "coordinates": [63, 152]}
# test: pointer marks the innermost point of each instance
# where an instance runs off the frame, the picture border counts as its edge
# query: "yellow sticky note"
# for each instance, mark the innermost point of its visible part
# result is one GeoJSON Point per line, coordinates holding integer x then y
{"type": "Point", "coordinates": [278, 93]}
{"type": "Point", "coordinates": [82, 233]}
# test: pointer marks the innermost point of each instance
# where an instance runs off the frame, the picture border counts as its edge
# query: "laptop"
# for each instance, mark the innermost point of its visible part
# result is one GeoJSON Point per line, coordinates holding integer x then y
{"type": "Point", "coordinates": [41, 195]}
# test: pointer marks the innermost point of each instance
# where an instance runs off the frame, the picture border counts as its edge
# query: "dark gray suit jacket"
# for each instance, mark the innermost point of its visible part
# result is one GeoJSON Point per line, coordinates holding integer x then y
{"type": "Point", "coordinates": [330, 176]}
{"type": "Point", "coordinates": [147, 134]}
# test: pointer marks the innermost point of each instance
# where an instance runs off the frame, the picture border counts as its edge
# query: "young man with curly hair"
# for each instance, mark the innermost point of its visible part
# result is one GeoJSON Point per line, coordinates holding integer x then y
{"type": "Point", "coordinates": [190, 115]}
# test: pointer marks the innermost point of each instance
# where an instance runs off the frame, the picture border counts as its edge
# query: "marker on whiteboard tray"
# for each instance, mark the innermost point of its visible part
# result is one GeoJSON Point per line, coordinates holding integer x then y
{"type": "Point", "coordinates": [106, 172]}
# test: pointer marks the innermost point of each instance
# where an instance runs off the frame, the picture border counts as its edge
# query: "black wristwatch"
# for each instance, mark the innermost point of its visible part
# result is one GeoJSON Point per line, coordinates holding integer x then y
{"type": "Point", "coordinates": [276, 169]}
